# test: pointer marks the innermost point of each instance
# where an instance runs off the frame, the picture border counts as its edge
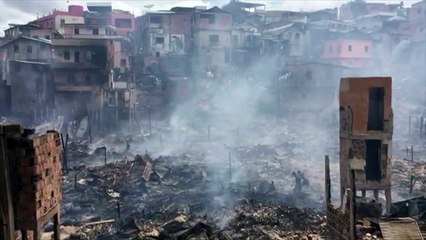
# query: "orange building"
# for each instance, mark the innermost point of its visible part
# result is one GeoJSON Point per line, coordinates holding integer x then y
{"type": "Point", "coordinates": [366, 127]}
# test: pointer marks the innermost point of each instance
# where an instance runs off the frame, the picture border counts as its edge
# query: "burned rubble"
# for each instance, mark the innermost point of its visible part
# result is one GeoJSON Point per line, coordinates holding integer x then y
{"type": "Point", "coordinates": [180, 198]}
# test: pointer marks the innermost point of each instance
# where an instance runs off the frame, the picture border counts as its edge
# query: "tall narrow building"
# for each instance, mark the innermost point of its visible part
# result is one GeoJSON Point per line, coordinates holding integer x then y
{"type": "Point", "coordinates": [366, 127]}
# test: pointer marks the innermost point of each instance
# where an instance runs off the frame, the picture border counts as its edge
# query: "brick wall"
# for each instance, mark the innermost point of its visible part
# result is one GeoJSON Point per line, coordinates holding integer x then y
{"type": "Point", "coordinates": [36, 176]}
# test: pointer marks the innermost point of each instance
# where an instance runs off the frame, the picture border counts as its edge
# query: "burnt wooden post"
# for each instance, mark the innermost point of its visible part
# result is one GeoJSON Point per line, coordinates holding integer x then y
{"type": "Point", "coordinates": [230, 171]}
{"type": "Point", "coordinates": [65, 151]}
{"type": "Point", "coordinates": [89, 126]}
{"type": "Point", "coordinates": [118, 209]}
{"type": "Point", "coordinates": [149, 118]}
{"type": "Point", "coordinates": [56, 233]}
{"type": "Point", "coordinates": [327, 182]}
{"type": "Point", "coordinates": [411, 184]}
{"type": "Point", "coordinates": [24, 234]}
{"type": "Point", "coordinates": [75, 180]}
{"type": "Point", "coordinates": [105, 155]}
{"type": "Point", "coordinates": [353, 207]}
{"type": "Point", "coordinates": [409, 126]}
{"type": "Point", "coordinates": [412, 153]}
{"type": "Point", "coordinates": [208, 132]}
{"type": "Point", "coordinates": [6, 204]}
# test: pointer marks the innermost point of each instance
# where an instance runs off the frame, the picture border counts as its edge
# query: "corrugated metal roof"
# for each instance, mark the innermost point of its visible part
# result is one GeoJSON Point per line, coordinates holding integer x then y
{"type": "Point", "coordinates": [400, 228]}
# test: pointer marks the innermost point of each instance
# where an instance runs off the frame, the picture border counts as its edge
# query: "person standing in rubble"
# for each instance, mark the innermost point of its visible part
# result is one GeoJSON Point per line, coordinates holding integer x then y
{"type": "Point", "coordinates": [305, 181]}
{"type": "Point", "coordinates": [298, 183]}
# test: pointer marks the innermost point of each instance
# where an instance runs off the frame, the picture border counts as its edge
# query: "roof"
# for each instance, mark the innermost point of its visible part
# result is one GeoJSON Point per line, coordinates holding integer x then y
{"type": "Point", "coordinates": [215, 9]}
{"type": "Point", "coordinates": [319, 63]}
{"type": "Point", "coordinates": [248, 5]}
{"type": "Point", "coordinates": [400, 228]}
{"type": "Point", "coordinates": [183, 9]}
{"type": "Point", "coordinates": [40, 40]}
{"type": "Point", "coordinates": [283, 28]}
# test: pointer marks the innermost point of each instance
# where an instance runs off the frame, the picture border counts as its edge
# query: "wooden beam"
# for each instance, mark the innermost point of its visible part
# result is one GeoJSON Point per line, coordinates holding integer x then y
{"type": "Point", "coordinates": [5, 190]}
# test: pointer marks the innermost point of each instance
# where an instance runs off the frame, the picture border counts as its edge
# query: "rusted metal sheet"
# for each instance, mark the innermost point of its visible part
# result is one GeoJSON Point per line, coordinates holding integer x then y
{"type": "Point", "coordinates": [401, 228]}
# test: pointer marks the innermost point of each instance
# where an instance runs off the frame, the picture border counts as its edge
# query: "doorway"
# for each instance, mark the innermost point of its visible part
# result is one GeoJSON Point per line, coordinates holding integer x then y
{"type": "Point", "coordinates": [376, 109]}
{"type": "Point", "coordinates": [373, 170]}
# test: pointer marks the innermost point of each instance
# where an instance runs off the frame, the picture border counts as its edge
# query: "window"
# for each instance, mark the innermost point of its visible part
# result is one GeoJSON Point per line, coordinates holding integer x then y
{"type": "Point", "coordinates": [350, 48]}
{"type": "Point", "coordinates": [123, 23]}
{"type": "Point", "coordinates": [159, 40]}
{"type": "Point", "coordinates": [88, 55]}
{"type": "Point", "coordinates": [157, 54]}
{"type": "Point", "coordinates": [76, 31]}
{"type": "Point", "coordinates": [67, 55]}
{"type": "Point", "coordinates": [309, 75]}
{"type": "Point", "coordinates": [155, 19]}
{"type": "Point", "coordinates": [297, 36]}
{"type": "Point", "coordinates": [123, 62]}
{"type": "Point", "coordinates": [47, 37]}
{"type": "Point", "coordinates": [95, 31]}
{"type": "Point", "coordinates": [419, 10]}
{"type": "Point", "coordinates": [210, 17]}
{"type": "Point", "coordinates": [62, 22]}
{"type": "Point", "coordinates": [70, 78]}
{"type": "Point", "coordinates": [88, 79]}
{"type": "Point", "coordinates": [16, 48]}
{"type": "Point", "coordinates": [36, 37]}
{"type": "Point", "coordinates": [29, 49]}
{"type": "Point", "coordinates": [77, 56]}
{"type": "Point", "coordinates": [376, 109]}
{"type": "Point", "coordinates": [366, 49]}
{"type": "Point", "coordinates": [214, 39]}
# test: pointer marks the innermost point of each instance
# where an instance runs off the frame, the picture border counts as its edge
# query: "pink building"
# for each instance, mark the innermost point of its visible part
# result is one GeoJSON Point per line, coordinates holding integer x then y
{"type": "Point", "coordinates": [349, 52]}
{"type": "Point", "coordinates": [57, 19]}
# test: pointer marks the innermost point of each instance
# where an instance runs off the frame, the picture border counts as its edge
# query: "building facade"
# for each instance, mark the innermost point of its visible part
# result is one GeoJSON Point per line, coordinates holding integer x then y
{"type": "Point", "coordinates": [212, 33]}
{"type": "Point", "coordinates": [32, 91]}
{"type": "Point", "coordinates": [366, 136]}
{"type": "Point", "coordinates": [58, 19]}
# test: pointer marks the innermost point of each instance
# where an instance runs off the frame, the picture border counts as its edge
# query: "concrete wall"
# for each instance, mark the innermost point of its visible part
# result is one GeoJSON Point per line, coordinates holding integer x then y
{"type": "Point", "coordinates": [85, 31]}
{"type": "Point", "coordinates": [18, 50]}
{"type": "Point", "coordinates": [31, 89]}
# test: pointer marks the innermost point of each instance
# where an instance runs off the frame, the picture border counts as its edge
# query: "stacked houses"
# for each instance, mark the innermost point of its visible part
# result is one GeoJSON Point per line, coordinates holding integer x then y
{"type": "Point", "coordinates": [94, 62]}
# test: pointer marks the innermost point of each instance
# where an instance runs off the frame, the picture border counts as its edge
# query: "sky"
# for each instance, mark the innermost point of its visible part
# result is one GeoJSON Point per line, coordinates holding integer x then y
{"type": "Point", "coordinates": [23, 11]}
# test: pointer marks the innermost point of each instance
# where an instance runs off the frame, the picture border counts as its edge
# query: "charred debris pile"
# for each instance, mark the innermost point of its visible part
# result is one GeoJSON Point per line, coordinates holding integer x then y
{"type": "Point", "coordinates": [180, 197]}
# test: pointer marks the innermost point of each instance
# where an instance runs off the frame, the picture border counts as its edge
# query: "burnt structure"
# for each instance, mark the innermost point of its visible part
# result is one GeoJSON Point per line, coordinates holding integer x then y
{"type": "Point", "coordinates": [30, 181]}
{"type": "Point", "coordinates": [32, 90]}
{"type": "Point", "coordinates": [366, 127]}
